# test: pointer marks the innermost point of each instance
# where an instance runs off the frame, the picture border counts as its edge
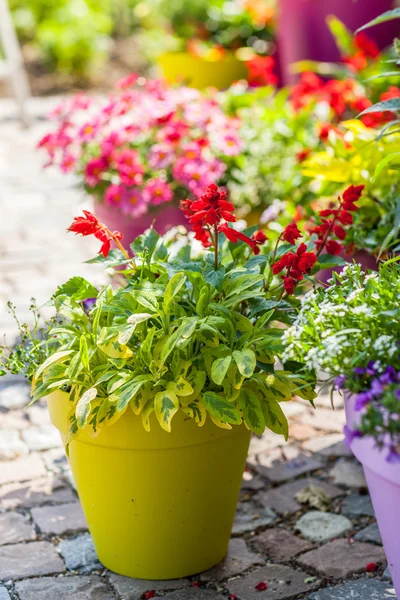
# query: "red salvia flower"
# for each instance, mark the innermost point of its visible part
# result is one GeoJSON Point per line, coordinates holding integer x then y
{"type": "Point", "coordinates": [296, 264]}
{"type": "Point", "coordinates": [367, 45]}
{"type": "Point", "coordinates": [90, 225]}
{"type": "Point", "coordinates": [291, 233]}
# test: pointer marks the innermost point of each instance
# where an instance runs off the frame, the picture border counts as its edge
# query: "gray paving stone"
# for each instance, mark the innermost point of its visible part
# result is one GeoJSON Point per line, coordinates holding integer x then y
{"type": "Point", "coordinates": [79, 554]}
{"type": "Point", "coordinates": [55, 460]}
{"type": "Point", "coordinates": [387, 574]}
{"type": "Point", "coordinates": [237, 561]}
{"type": "Point", "coordinates": [340, 559]}
{"type": "Point", "coordinates": [22, 469]}
{"type": "Point", "coordinates": [4, 595]}
{"type": "Point", "coordinates": [283, 583]}
{"type": "Point", "coordinates": [39, 414]}
{"type": "Point", "coordinates": [37, 492]}
{"type": "Point", "coordinates": [29, 560]}
{"type": "Point", "coordinates": [14, 419]}
{"type": "Point", "coordinates": [64, 588]}
{"type": "Point", "coordinates": [15, 528]}
{"type": "Point", "coordinates": [57, 520]}
{"type": "Point", "coordinates": [279, 544]}
{"type": "Point", "coordinates": [369, 534]}
{"type": "Point", "coordinates": [324, 419]}
{"type": "Point", "coordinates": [194, 594]}
{"type": "Point", "coordinates": [11, 445]}
{"type": "Point", "coordinates": [134, 589]}
{"type": "Point", "coordinates": [362, 589]}
{"type": "Point", "coordinates": [249, 518]}
{"type": "Point", "coordinates": [252, 482]}
{"type": "Point", "coordinates": [274, 457]}
{"type": "Point", "coordinates": [318, 526]}
{"type": "Point", "coordinates": [289, 469]}
{"type": "Point", "coordinates": [282, 499]}
{"type": "Point", "coordinates": [357, 505]}
{"type": "Point", "coordinates": [14, 396]}
{"type": "Point", "coordinates": [331, 446]}
{"type": "Point", "coordinates": [348, 473]}
{"type": "Point", "coordinates": [41, 437]}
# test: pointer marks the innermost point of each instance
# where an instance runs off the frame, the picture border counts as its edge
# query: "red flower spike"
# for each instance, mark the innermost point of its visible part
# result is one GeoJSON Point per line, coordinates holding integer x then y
{"type": "Point", "coordinates": [260, 587]}
{"type": "Point", "coordinates": [339, 232]}
{"type": "Point", "coordinates": [345, 217]}
{"type": "Point", "coordinates": [289, 284]}
{"type": "Point", "coordinates": [371, 567]}
{"type": "Point", "coordinates": [291, 233]}
{"type": "Point", "coordinates": [87, 225]}
{"type": "Point", "coordinates": [150, 594]}
{"type": "Point", "coordinates": [259, 237]}
{"type": "Point", "coordinates": [333, 247]}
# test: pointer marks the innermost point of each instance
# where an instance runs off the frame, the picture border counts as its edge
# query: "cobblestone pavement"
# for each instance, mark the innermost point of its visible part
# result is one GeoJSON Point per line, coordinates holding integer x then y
{"type": "Point", "coordinates": [305, 525]}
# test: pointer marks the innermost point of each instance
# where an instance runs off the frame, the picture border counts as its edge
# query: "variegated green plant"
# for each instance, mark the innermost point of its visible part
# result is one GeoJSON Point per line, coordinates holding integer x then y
{"type": "Point", "coordinates": [180, 336]}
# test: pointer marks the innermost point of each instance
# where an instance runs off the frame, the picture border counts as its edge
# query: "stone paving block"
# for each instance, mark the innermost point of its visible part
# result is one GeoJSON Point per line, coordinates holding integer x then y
{"type": "Point", "coordinates": [331, 446]}
{"type": "Point", "coordinates": [318, 526]}
{"type": "Point", "coordinates": [11, 445]}
{"type": "Point", "coordinates": [267, 441]}
{"type": "Point", "coordinates": [15, 528]}
{"type": "Point", "coordinates": [65, 588]}
{"type": "Point", "coordinates": [194, 594]}
{"type": "Point", "coordinates": [19, 561]}
{"type": "Point", "coordinates": [79, 554]}
{"type": "Point", "coordinates": [252, 482]}
{"type": "Point", "coordinates": [289, 469]}
{"type": "Point", "coordinates": [237, 561]}
{"type": "Point", "coordinates": [300, 432]}
{"type": "Point", "coordinates": [283, 583]}
{"type": "Point", "coordinates": [35, 493]}
{"type": "Point", "coordinates": [134, 589]}
{"type": "Point", "coordinates": [39, 415]}
{"type": "Point", "coordinates": [369, 534]}
{"type": "Point", "coordinates": [4, 595]}
{"type": "Point", "coordinates": [55, 460]}
{"type": "Point", "coordinates": [14, 419]}
{"type": "Point", "coordinates": [42, 437]}
{"type": "Point", "coordinates": [282, 498]}
{"type": "Point", "coordinates": [324, 419]}
{"type": "Point", "coordinates": [250, 517]}
{"type": "Point", "coordinates": [57, 520]}
{"type": "Point", "coordinates": [362, 589]}
{"type": "Point", "coordinates": [276, 456]}
{"type": "Point", "coordinates": [14, 396]}
{"type": "Point", "coordinates": [279, 544]}
{"type": "Point", "coordinates": [324, 400]}
{"type": "Point", "coordinates": [348, 473]}
{"type": "Point", "coordinates": [22, 469]}
{"type": "Point", "coordinates": [339, 559]}
{"type": "Point", "coordinates": [387, 574]}
{"type": "Point", "coordinates": [357, 505]}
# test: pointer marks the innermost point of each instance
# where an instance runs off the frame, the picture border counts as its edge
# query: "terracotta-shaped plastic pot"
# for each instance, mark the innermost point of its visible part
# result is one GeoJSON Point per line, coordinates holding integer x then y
{"type": "Point", "coordinates": [163, 218]}
{"type": "Point", "coordinates": [383, 480]}
{"type": "Point", "coordinates": [200, 73]}
{"type": "Point", "coordinates": [159, 505]}
{"type": "Point", "coordinates": [304, 34]}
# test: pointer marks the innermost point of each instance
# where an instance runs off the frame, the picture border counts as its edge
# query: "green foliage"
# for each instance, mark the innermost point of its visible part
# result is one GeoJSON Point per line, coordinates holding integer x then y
{"type": "Point", "coordinates": [173, 339]}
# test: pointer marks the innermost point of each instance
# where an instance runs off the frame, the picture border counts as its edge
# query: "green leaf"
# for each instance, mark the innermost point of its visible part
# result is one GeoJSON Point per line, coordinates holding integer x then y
{"type": "Point", "coordinates": [114, 258]}
{"type": "Point", "coordinates": [328, 261]}
{"type": "Point", "coordinates": [343, 36]}
{"type": "Point", "coordinates": [124, 394]}
{"type": "Point", "coordinates": [145, 299]}
{"type": "Point", "coordinates": [208, 335]}
{"type": "Point", "coordinates": [196, 410]}
{"type": "Point", "coordinates": [83, 351]}
{"type": "Point", "coordinates": [146, 412]}
{"type": "Point", "coordinates": [236, 285]}
{"type": "Point", "coordinates": [214, 276]}
{"type": "Point", "coordinates": [166, 404]}
{"type": "Point", "coordinates": [174, 285]}
{"type": "Point", "coordinates": [83, 407]}
{"type": "Point", "coordinates": [77, 288]}
{"type": "Point", "coordinates": [221, 409]}
{"type": "Point", "coordinates": [394, 157]}
{"type": "Point", "coordinates": [146, 241]}
{"type": "Point", "coordinates": [180, 387]}
{"type": "Point", "coordinates": [252, 411]}
{"type": "Point", "coordinates": [245, 361]}
{"type": "Point", "coordinates": [140, 399]}
{"type": "Point", "coordinates": [386, 105]}
{"type": "Point", "coordinates": [109, 344]}
{"type": "Point", "coordinates": [220, 368]}
{"type": "Point", "coordinates": [386, 16]}
{"type": "Point", "coordinates": [56, 358]}
{"type": "Point", "coordinates": [274, 417]}
{"type": "Point", "coordinates": [70, 309]}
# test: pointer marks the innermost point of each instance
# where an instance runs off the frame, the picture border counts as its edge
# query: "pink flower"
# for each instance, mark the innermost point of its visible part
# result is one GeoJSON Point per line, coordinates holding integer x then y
{"type": "Point", "coordinates": [160, 156]}
{"type": "Point", "coordinates": [134, 203]}
{"type": "Point", "coordinates": [67, 162]}
{"type": "Point", "coordinates": [114, 194]}
{"type": "Point", "coordinates": [88, 131]}
{"type": "Point", "coordinates": [230, 144]}
{"type": "Point", "coordinates": [129, 167]}
{"type": "Point", "coordinates": [192, 151]}
{"type": "Point", "coordinates": [156, 191]}
{"type": "Point", "coordinates": [127, 82]}
{"type": "Point", "coordinates": [94, 171]}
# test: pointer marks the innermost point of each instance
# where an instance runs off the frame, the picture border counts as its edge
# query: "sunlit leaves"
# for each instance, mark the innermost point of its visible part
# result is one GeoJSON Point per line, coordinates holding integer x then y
{"type": "Point", "coordinates": [166, 405]}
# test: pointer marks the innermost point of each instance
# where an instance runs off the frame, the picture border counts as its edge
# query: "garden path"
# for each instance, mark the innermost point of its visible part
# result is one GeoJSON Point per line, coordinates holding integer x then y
{"type": "Point", "coordinates": [305, 525]}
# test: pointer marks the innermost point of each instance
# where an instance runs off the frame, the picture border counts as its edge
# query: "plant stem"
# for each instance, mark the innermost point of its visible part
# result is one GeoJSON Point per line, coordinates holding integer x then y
{"type": "Point", "coordinates": [216, 246]}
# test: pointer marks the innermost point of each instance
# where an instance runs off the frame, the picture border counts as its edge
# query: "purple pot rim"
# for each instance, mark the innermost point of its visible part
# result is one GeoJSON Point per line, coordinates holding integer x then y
{"type": "Point", "coordinates": [365, 449]}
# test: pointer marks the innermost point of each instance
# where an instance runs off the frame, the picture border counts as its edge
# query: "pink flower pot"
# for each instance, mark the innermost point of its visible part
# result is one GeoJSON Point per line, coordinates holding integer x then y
{"type": "Point", "coordinates": [304, 34]}
{"type": "Point", "coordinates": [363, 258]}
{"type": "Point", "coordinates": [163, 218]}
{"type": "Point", "coordinates": [383, 480]}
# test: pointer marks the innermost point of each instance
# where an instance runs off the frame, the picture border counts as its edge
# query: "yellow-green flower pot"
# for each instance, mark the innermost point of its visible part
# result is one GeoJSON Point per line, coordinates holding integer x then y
{"type": "Point", "coordinates": [200, 73]}
{"type": "Point", "coordinates": [159, 505]}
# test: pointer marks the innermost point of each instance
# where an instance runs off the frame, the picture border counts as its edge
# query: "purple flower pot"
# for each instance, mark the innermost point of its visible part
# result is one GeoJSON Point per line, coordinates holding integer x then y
{"type": "Point", "coordinates": [163, 218]}
{"type": "Point", "coordinates": [363, 258]}
{"type": "Point", "coordinates": [304, 34]}
{"type": "Point", "coordinates": [383, 480]}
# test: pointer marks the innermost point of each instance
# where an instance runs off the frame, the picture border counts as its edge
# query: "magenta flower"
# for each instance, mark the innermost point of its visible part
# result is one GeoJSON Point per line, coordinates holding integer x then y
{"type": "Point", "coordinates": [134, 203]}
{"type": "Point", "coordinates": [114, 194]}
{"type": "Point", "coordinates": [94, 171]}
{"type": "Point", "coordinates": [156, 191]}
{"type": "Point", "coordinates": [161, 156]}
{"type": "Point", "coordinates": [230, 144]}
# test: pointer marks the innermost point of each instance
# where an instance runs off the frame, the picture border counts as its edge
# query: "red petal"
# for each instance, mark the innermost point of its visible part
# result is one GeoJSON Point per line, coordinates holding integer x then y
{"type": "Point", "coordinates": [260, 587]}
{"type": "Point", "coordinates": [105, 248]}
{"type": "Point", "coordinates": [339, 232]}
{"type": "Point", "coordinates": [371, 567]}
{"type": "Point", "coordinates": [227, 216]}
{"type": "Point", "coordinates": [198, 216]}
{"type": "Point", "coordinates": [225, 205]}
{"type": "Point", "coordinates": [212, 216]}
{"type": "Point", "coordinates": [150, 594]}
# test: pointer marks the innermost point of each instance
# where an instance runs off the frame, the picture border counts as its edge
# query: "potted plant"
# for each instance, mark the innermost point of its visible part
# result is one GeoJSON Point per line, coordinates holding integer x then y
{"type": "Point", "coordinates": [142, 150]}
{"type": "Point", "coordinates": [156, 386]}
{"type": "Point", "coordinates": [208, 44]}
{"type": "Point", "coordinates": [352, 332]}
